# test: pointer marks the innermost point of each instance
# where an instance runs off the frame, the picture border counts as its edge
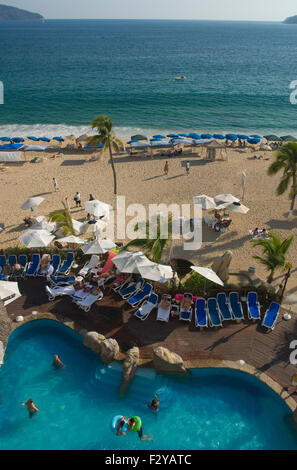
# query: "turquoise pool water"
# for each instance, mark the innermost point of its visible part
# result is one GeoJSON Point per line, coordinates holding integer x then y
{"type": "Point", "coordinates": [214, 409]}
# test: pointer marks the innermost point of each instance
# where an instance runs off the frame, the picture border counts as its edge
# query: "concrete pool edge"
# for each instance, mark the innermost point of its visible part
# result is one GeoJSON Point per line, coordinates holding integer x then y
{"type": "Point", "coordinates": [192, 364]}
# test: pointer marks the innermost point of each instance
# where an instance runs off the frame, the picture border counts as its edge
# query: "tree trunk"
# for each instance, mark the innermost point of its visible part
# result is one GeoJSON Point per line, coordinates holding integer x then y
{"type": "Point", "coordinates": [270, 277]}
{"type": "Point", "coordinates": [294, 192]}
{"type": "Point", "coordinates": [113, 171]}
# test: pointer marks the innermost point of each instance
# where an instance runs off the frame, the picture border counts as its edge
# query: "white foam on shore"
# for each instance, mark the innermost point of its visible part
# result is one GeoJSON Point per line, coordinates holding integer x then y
{"type": "Point", "coordinates": [63, 130]}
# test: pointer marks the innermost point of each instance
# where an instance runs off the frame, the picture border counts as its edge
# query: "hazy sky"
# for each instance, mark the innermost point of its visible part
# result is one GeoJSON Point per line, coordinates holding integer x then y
{"type": "Point", "coordinates": [267, 10]}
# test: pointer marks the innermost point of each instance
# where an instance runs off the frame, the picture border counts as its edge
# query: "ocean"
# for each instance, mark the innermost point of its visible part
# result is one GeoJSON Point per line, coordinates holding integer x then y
{"type": "Point", "coordinates": [58, 75]}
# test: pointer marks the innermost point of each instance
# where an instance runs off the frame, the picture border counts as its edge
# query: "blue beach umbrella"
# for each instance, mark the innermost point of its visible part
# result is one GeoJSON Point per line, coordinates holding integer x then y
{"type": "Point", "coordinates": [17, 140]}
{"type": "Point", "coordinates": [206, 136]}
{"type": "Point", "coordinates": [35, 139]}
{"type": "Point", "coordinates": [254, 141]}
{"type": "Point", "coordinates": [193, 135]}
{"type": "Point", "coordinates": [219, 136]}
{"type": "Point", "coordinates": [183, 135]}
{"type": "Point", "coordinates": [5, 139]}
{"type": "Point", "coordinates": [132, 141]}
{"type": "Point", "coordinates": [243, 136]}
{"type": "Point", "coordinates": [155, 140]}
{"type": "Point", "coordinates": [174, 136]}
{"type": "Point", "coordinates": [99, 146]}
{"type": "Point", "coordinates": [11, 146]}
{"type": "Point", "coordinates": [59, 139]}
{"type": "Point", "coordinates": [159, 136]}
{"type": "Point", "coordinates": [256, 136]}
{"type": "Point", "coordinates": [44, 139]}
{"type": "Point", "coordinates": [232, 137]}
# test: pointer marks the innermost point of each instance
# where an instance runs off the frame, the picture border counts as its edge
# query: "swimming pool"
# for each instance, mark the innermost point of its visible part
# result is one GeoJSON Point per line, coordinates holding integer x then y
{"type": "Point", "coordinates": [213, 409]}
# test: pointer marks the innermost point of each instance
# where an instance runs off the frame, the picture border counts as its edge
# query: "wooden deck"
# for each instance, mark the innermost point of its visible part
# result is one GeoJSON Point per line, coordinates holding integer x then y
{"type": "Point", "coordinates": [268, 352]}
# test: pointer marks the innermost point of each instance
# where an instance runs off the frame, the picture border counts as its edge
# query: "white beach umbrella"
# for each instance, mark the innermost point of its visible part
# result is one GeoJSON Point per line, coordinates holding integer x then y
{"type": "Point", "coordinates": [156, 272]}
{"type": "Point", "coordinates": [32, 202]}
{"type": "Point", "coordinates": [129, 261]}
{"type": "Point", "coordinates": [93, 228]}
{"type": "Point", "coordinates": [237, 207]}
{"type": "Point", "coordinates": [10, 291]}
{"type": "Point", "coordinates": [98, 247]}
{"type": "Point", "coordinates": [72, 239]}
{"type": "Point", "coordinates": [205, 202]}
{"type": "Point", "coordinates": [97, 208]}
{"type": "Point", "coordinates": [82, 138]}
{"type": "Point", "coordinates": [77, 225]}
{"type": "Point", "coordinates": [36, 238]}
{"type": "Point", "coordinates": [226, 198]}
{"type": "Point", "coordinates": [209, 274]}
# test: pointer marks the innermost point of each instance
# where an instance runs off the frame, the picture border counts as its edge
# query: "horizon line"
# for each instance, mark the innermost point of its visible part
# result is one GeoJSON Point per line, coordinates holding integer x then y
{"type": "Point", "coordinates": [170, 19]}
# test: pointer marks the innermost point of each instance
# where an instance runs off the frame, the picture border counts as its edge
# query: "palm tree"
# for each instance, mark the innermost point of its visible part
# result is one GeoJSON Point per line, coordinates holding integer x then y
{"type": "Point", "coordinates": [63, 219]}
{"type": "Point", "coordinates": [107, 138]}
{"type": "Point", "coordinates": [286, 160]}
{"type": "Point", "coordinates": [274, 253]}
{"type": "Point", "coordinates": [153, 247]}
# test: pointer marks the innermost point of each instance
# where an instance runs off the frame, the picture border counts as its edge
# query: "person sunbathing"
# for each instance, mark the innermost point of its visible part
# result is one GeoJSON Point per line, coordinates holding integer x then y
{"type": "Point", "coordinates": [186, 304]}
{"type": "Point", "coordinates": [165, 303]}
{"type": "Point", "coordinates": [256, 232]}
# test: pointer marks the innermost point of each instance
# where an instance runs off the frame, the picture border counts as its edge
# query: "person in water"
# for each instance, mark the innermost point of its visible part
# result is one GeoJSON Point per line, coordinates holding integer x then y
{"type": "Point", "coordinates": [154, 404]}
{"type": "Point", "coordinates": [30, 407]}
{"type": "Point", "coordinates": [57, 363]}
{"type": "Point", "coordinates": [121, 423]}
{"type": "Point", "coordinates": [132, 423]}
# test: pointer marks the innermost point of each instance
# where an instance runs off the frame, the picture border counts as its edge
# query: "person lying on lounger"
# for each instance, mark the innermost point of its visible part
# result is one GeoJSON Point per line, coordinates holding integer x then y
{"type": "Point", "coordinates": [165, 303]}
{"type": "Point", "coordinates": [186, 303]}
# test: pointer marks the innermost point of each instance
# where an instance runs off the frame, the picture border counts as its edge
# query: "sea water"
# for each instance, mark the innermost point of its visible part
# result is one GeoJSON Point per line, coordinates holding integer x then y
{"type": "Point", "coordinates": [212, 409]}
{"type": "Point", "coordinates": [59, 74]}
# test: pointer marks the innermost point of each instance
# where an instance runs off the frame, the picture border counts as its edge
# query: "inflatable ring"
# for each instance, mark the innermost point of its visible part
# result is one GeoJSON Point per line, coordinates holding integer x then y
{"type": "Point", "coordinates": [138, 424]}
{"type": "Point", "coordinates": [115, 422]}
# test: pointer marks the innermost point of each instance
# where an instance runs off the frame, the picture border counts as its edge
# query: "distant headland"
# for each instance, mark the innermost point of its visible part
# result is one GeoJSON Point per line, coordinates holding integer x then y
{"type": "Point", "coordinates": [291, 20]}
{"type": "Point", "coordinates": [12, 13]}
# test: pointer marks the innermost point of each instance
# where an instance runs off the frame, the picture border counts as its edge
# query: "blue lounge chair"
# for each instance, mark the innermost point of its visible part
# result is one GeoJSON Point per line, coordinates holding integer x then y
{"type": "Point", "coordinates": [186, 315]}
{"type": "Point", "coordinates": [271, 315]}
{"type": "Point", "coordinates": [200, 313]}
{"type": "Point", "coordinates": [135, 300]}
{"type": "Point", "coordinates": [148, 305]}
{"type": "Point", "coordinates": [56, 261]}
{"type": "Point", "coordinates": [164, 312]}
{"type": "Point", "coordinates": [2, 261]}
{"type": "Point", "coordinates": [33, 266]}
{"type": "Point", "coordinates": [12, 261]}
{"type": "Point", "coordinates": [23, 261]}
{"type": "Point", "coordinates": [236, 306]}
{"type": "Point", "coordinates": [66, 266]}
{"type": "Point", "coordinates": [131, 289]}
{"type": "Point", "coordinates": [57, 281]}
{"type": "Point", "coordinates": [253, 306]}
{"type": "Point", "coordinates": [223, 306]}
{"type": "Point", "coordinates": [213, 312]}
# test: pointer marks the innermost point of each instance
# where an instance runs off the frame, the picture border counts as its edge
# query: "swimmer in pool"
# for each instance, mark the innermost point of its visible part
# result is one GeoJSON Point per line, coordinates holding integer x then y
{"type": "Point", "coordinates": [120, 426]}
{"type": "Point", "coordinates": [143, 437]}
{"type": "Point", "coordinates": [30, 407]}
{"type": "Point", "coordinates": [57, 363]}
{"type": "Point", "coordinates": [154, 404]}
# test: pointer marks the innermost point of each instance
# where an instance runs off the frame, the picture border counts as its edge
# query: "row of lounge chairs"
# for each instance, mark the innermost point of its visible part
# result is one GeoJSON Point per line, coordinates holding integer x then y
{"type": "Point", "coordinates": [32, 268]}
{"type": "Point", "coordinates": [210, 313]}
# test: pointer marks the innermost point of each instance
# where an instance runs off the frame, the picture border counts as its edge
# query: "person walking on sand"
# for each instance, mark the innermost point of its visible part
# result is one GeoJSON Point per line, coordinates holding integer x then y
{"type": "Point", "coordinates": [188, 167]}
{"type": "Point", "coordinates": [166, 168]}
{"type": "Point", "coordinates": [77, 199]}
{"type": "Point", "coordinates": [56, 186]}
{"type": "Point", "coordinates": [30, 407]}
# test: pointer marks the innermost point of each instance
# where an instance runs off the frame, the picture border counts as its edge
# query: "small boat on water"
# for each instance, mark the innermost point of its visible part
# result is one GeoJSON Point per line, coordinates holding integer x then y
{"type": "Point", "coordinates": [182, 78]}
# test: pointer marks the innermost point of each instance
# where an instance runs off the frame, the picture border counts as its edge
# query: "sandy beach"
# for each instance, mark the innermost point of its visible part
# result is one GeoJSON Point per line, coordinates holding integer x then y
{"type": "Point", "coordinates": [141, 180]}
